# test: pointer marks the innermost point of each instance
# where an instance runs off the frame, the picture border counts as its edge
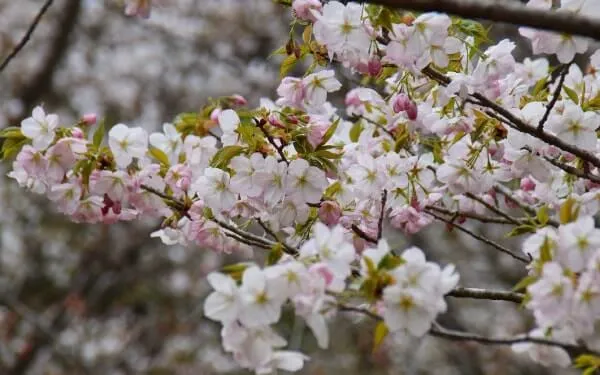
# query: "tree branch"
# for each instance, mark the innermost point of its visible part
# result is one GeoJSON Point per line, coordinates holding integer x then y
{"type": "Point", "coordinates": [513, 121]}
{"type": "Point", "coordinates": [505, 12]}
{"type": "Point", "coordinates": [438, 331]}
{"type": "Point", "coordinates": [362, 234]}
{"type": "Point", "coordinates": [495, 295]}
{"type": "Point", "coordinates": [480, 238]}
{"type": "Point", "coordinates": [564, 69]}
{"type": "Point", "coordinates": [27, 35]}
{"type": "Point", "coordinates": [381, 215]}
{"type": "Point", "coordinates": [472, 215]}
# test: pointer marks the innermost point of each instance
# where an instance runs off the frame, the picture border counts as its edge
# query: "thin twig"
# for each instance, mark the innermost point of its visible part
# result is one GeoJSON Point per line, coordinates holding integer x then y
{"type": "Point", "coordinates": [480, 238]}
{"type": "Point", "coordinates": [510, 119]}
{"type": "Point", "coordinates": [493, 209]}
{"type": "Point", "coordinates": [270, 232]}
{"type": "Point", "coordinates": [563, 73]}
{"type": "Point", "coordinates": [381, 215]}
{"type": "Point", "coordinates": [246, 241]}
{"type": "Point", "coordinates": [510, 12]}
{"type": "Point", "coordinates": [495, 295]}
{"type": "Point", "coordinates": [27, 35]}
{"type": "Point", "coordinates": [271, 140]}
{"type": "Point", "coordinates": [362, 234]}
{"type": "Point", "coordinates": [438, 331]}
{"type": "Point", "coordinates": [378, 126]}
{"type": "Point", "coordinates": [572, 170]}
{"type": "Point", "coordinates": [472, 215]}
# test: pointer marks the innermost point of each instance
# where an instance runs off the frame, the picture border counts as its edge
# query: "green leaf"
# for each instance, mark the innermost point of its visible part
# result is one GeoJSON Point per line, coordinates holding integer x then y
{"type": "Point", "coordinates": [235, 270]}
{"type": "Point", "coordinates": [12, 146]}
{"type": "Point", "coordinates": [524, 283]}
{"type": "Point", "coordinates": [390, 261]}
{"type": "Point", "coordinates": [275, 254]}
{"type": "Point", "coordinates": [12, 132]}
{"type": "Point", "coordinates": [224, 156]}
{"type": "Point", "coordinates": [569, 211]}
{"type": "Point", "coordinates": [307, 34]}
{"type": "Point", "coordinates": [287, 64]}
{"type": "Point", "coordinates": [159, 155]}
{"type": "Point", "coordinates": [521, 229]}
{"type": "Point", "coordinates": [381, 332]}
{"type": "Point", "coordinates": [355, 131]}
{"type": "Point", "coordinates": [543, 216]}
{"type": "Point", "coordinates": [329, 133]}
{"type": "Point", "coordinates": [99, 134]}
{"type": "Point", "coordinates": [371, 269]}
{"type": "Point", "coordinates": [571, 94]}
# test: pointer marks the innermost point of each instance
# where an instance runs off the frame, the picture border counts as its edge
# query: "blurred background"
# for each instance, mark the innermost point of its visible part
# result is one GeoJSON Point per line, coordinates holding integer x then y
{"type": "Point", "coordinates": [79, 299]}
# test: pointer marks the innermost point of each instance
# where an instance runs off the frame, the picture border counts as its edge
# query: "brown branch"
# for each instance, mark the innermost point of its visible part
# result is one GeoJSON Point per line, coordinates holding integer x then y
{"type": "Point", "coordinates": [564, 69]}
{"type": "Point", "coordinates": [362, 234]}
{"type": "Point", "coordinates": [41, 82]}
{"type": "Point", "coordinates": [34, 24]}
{"type": "Point", "coordinates": [480, 238]}
{"type": "Point", "coordinates": [572, 170]}
{"type": "Point", "coordinates": [439, 331]}
{"type": "Point", "coordinates": [505, 12]}
{"type": "Point", "coordinates": [279, 149]}
{"type": "Point", "coordinates": [472, 215]}
{"type": "Point", "coordinates": [513, 121]}
{"type": "Point", "coordinates": [493, 209]}
{"type": "Point", "coordinates": [381, 215]}
{"type": "Point", "coordinates": [494, 295]}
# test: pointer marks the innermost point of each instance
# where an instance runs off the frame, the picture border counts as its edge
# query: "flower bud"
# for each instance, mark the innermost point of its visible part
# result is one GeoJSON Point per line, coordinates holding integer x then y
{"type": "Point", "coordinates": [275, 121]}
{"type": "Point", "coordinates": [374, 66]}
{"type": "Point", "coordinates": [352, 99]}
{"type": "Point", "coordinates": [330, 212]}
{"type": "Point", "coordinates": [527, 184]}
{"type": "Point", "coordinates": [316, 132]}
{"type": "Point", "coordinates": [322, 270]}
{"type": "Point", "coordinates": [305, 9]}
{"type": "Point", "coordinates": [214, 115]}
{"type": "Point", "coordinates": [89, 119]}
{"type": "Point", "coordinates": [77, 133]}
{"type": "Point", "coordinates": [401, 102]}
{"type": "Point", "coordinates": [412, 111]}
{"type": "Point", "coordinates": [238, 99]}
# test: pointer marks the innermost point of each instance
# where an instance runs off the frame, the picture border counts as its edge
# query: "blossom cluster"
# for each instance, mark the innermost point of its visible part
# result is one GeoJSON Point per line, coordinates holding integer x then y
{"type": "Point", "coordinates": [565, 297]}
{"type": "Point", "coordinates": [411, 298]}
{"type": "Point", "coordinates": [445, 127]}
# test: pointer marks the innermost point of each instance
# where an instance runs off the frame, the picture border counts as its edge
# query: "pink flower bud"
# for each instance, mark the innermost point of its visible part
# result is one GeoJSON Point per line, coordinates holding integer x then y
{"type": "Point", "coordinates": [238, 99]}
{"type": "Point", "coordinates": [304, 9]}
{"type": "Point", "coordinates": [330, 212]}
{"type": "Point", "coordinates": [77, 133]}
{"type": "Point", "coordinates": [89, 119]}
{"type": "Point", "coordinates": [352, 99]}
{"type": "Point", "coordinates": [400, 103]}
{"type": "Point", "coordinates": [214, 115]}
{"type": "Point", "coordinates": [527, 184]}
{"type": "Point", "coordinates": [359, 244]}
{"type": "Point", "coordinates": [412, 111]}
{"type": "Point", "coordinates": [322, 270]}
{"type": "Point", "coordinates": [374, 66]}
{"type": "Point", "coordinates": [510, 203]}
{"type": "Point", "coordinates": [316, 132]}
{"type": "Point", "coordinates": [275, 121]}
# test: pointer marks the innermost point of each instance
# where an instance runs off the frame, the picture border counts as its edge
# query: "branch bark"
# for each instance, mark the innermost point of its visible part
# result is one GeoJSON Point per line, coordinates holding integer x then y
{"type": "Point", "coordinates": [34, 24]}
{"type": "Point", "coordinates": [505, 12]}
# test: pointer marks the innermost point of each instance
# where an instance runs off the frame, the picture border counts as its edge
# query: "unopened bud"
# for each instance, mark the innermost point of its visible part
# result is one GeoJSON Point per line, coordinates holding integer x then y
{"type": "Point", "coordinates": [401, 102]}
{"type": "Point", "coordinates": [214, 115]}
{"type": "Point", "coordinates": [374, 66]}
{"type": "Point", "coordinates": [89, 119]}
{"type": "Point", "coordinates": [330, 212]}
